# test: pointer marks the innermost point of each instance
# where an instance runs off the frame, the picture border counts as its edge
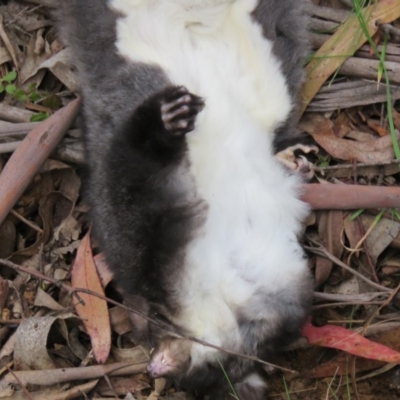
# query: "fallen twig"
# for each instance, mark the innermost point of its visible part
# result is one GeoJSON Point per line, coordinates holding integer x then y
{"type": "Point", "coordinates": [369, 68]}
{"type": "Point", "coordinates": [9, 147]}
{"type": "Point", "coordinates": [8, 44]}
{"type": "Point", "coordinates": [54, 376]}
{"type": "Point", "coordinates": [16, 129]}
{"type": "Point", "coordinates": [352, 166]}
{"type": "Point", "coordinates": [13, 374]}
{"type": "Point", "coordinates": [360, 297]}
{"type": "Point", "coordinates": [350, 197]}
{"type": "Point", "coordinates": [14, 114]}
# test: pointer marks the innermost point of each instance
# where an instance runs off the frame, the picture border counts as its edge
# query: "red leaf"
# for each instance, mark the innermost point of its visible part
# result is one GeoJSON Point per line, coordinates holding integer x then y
{"type": "Point", "coordinates": [94, 313]}
{"type": "Point", "coordinates": [340, 338]}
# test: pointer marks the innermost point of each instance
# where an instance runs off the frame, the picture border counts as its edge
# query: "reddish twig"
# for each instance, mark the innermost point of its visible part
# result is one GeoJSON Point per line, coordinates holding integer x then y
{"type": "Point", "coordinates": [31, 154]}
{"type": "Point", "coordinates": [350, 197]}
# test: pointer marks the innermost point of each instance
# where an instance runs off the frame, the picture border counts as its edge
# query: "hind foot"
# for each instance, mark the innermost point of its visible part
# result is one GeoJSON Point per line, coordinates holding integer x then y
{"type": "Point", "coordinates": [298, 163]}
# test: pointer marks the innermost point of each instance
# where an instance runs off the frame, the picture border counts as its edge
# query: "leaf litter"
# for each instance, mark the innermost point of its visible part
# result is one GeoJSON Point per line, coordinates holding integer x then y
{"type": "Point", "coordinates": [351, 348]}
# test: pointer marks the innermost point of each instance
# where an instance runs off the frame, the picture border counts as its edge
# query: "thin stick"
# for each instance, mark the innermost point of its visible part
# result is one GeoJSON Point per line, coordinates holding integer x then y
{"type": "Point", "coordinates": [351, 166]}
{"type": "Point", "coordinates": [24, 389]}
{"type": "Point", "coordinates": [26, 221]}
{"type": "Point", "coordinates": [322, 251]}
{"type": "Point", "coordinates": [7, 43]}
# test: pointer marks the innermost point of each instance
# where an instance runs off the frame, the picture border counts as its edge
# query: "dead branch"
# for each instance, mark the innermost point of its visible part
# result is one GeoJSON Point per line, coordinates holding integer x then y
{"type": "Point", "coordinates": [14, 114]}
{"type": "Point", "coordinates": [350, 197]}
{"type": "Point", "coordinates": [9, 147]}
{"type": "Point", "coordinates": [368, 68]}
{"type": "Point", "coordinates": [16, 129]}
{"type": "Point", "coordinates": [55, 376]}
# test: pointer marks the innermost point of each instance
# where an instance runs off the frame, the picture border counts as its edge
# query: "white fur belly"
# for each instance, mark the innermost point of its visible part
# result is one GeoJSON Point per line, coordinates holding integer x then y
{"type": "Point", "coordinates": [248, 243]}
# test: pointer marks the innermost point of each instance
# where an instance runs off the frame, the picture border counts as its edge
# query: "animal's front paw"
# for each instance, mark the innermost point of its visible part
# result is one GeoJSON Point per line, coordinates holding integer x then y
{"type": "Point", "coordinates": [298, 163]}
{"type": "Point", "coordinates": [179, 109]}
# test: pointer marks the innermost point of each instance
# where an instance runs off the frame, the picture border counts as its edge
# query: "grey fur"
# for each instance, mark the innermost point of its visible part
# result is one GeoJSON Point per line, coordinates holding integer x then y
{"type": "Point", "coordinates": [111, 88]}
{"type": "Point", "coordinates": [285, 23]}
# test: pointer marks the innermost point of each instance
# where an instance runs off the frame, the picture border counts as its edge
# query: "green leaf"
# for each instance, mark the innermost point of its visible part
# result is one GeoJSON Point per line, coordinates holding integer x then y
{"type": "Point", "coordinates": [41, 116]}
{"type": "Point", "coordinates": [356, 214]}
{"type": "Point", "coordinates": [52, 101]}
{"type": "Point", "coordinates": [31, 87]}
{"type": "Point", "coordinates": [11, 88]}
{"type": "Point", "coordinates": [20, 95]}
{"type": "Point", "coordinates": [34, 95]}
{"type": "Point", "coordinates": [10, 77]}
{"type": "Point", "coordinates": [323, 161]}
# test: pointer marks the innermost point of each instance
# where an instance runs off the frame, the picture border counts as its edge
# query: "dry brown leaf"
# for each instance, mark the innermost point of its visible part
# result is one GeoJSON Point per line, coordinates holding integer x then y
{"type": "Point", "coordinates": [94, 313]}
{"type": "Point", "coordinates": [28, 21]}
{"type": "Point", "coordinates": [391, 266]}
{"type": "Point", "coordinates": [329, 230]}
{"type": "Point", "coordinates": [159, 387]}
{"type": "Point", "coordinates": [120, 321]}
{"type": "Point", "coordinates": [349, 286]}
{"type": "Point", "coordinates": [135, 355]}
{"type": "Point", "coordinates": [8, 236]}
{"type": "Point", "coordinates": [352, 230]}
{"type": "Point", "coordinates": [380, 130]}
{"type": "Point", "coordinates": [339, 365]}
{"type": "Point", "coordinates": [121, 386]}
{"type": "Point", "coordinates": [381, 235]}
{"type": "Point", "coordinates": [31, 62]}
{"type": "Point", "coordinates": [343, 44]}
{"type": "Point", "coordinates": [8, 347]}
{"type": "Point", "coordinates": [396, 118]}
{"type": "Point", "coordinates": [48, 206]}
{"type": "Point", "coordinates": [61, 65]}
{"type": "Point", "coordinates": [70, 183]}
{"type": "Point", "coordinates": [342, 125]}
{"type": "Point", "coordinates": [68, 231]}
{"type": "Point", "coordinates": [4, 287]}
{"type": "Point", "coordinates": [30, 350]}
{"type": "Point", "coordinates": [379, 150]}
{"type": "Point", "coordinates": [43, 299]}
